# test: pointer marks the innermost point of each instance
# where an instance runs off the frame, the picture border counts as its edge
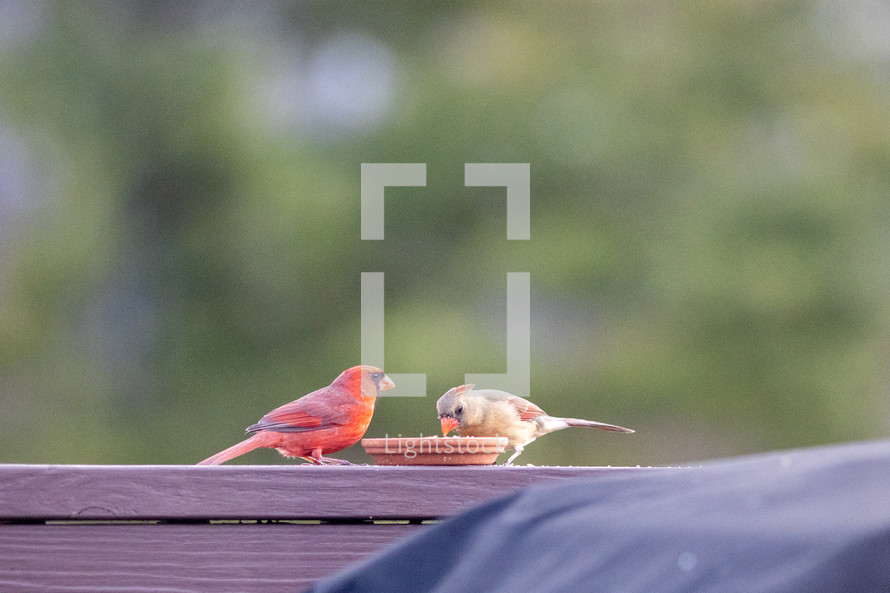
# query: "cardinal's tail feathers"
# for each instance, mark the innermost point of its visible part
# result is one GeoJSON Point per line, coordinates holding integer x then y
{"type": "Point", "coordinates": [241, 448]}
{"type": "Point", "coordinates": [592, 424]}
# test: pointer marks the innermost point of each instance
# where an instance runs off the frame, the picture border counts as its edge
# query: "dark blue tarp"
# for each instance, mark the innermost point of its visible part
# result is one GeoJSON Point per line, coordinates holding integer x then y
{"type": "Point", "coordinates": [814, 520]}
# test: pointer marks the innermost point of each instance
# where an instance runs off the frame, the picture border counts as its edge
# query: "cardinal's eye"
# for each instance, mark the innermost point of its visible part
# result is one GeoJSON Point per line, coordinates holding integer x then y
{"type": "Point", "coordinates": [375, 377]}
{"type": "Point", "coordinates": [459, 410]}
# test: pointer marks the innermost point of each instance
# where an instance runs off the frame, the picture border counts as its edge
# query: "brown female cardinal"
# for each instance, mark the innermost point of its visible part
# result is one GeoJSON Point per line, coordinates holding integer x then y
{"type": "Point", "coordinates": [324, 421]}
{"type": "Point", "coordinates": [490, 413]}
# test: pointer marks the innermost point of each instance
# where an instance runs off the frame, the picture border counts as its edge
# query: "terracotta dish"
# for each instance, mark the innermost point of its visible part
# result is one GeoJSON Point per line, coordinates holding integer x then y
{"type": "Point", "coordinates": [435, 450]}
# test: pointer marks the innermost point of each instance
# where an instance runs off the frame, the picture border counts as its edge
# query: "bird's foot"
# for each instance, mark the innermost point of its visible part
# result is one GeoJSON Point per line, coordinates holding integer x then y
{"type": "Point", "coordinates": [333, 461]}
{"type": "Point", "coordinates": [517, 451]}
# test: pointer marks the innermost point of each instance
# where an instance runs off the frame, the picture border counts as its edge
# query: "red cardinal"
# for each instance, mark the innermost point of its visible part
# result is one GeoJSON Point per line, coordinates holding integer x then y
{"type": "Point", "coordinates": [490, 413]}
{"type": "Point", "coordinates": [324, 421]}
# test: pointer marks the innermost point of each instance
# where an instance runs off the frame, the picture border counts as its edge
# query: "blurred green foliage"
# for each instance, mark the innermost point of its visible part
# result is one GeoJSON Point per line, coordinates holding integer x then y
{"type": "Point", "coordinates": [179, 218]}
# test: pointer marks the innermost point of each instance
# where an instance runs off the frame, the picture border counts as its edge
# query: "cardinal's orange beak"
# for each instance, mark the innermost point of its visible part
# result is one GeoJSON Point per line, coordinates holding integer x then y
{"type": "Point", "coordinates": [386, 383]}
{"type": "Point", "coordinates": [448, 424]}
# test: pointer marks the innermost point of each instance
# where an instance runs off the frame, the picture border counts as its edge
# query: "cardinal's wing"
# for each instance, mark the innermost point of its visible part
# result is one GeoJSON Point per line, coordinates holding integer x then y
{"type": "Point", "coordinates": [316, 411]}
{"type": "Point", "coordinates": [527, 410]}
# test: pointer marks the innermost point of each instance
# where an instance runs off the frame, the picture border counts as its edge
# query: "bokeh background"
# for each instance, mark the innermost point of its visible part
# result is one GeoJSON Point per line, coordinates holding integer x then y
{"type": "Point", "coordinates": [179, 218]}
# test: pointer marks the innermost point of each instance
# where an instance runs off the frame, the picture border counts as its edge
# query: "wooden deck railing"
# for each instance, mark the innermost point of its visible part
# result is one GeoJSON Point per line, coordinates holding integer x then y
{"type": "Point", "coordinates": [79, 528]}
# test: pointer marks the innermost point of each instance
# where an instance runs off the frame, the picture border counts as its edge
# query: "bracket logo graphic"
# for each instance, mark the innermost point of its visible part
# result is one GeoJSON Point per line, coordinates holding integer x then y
{"type": "Point", "coordinates": [516, 178]}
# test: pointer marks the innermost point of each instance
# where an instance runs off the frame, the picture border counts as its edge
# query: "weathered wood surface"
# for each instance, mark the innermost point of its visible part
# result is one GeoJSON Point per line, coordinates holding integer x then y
{"type": "Point", "coordinates": [157, 528]}
{"type": "Point", "coordinates": [39, 492]}
{"type": "Point", "coordinates": [181, 558]}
